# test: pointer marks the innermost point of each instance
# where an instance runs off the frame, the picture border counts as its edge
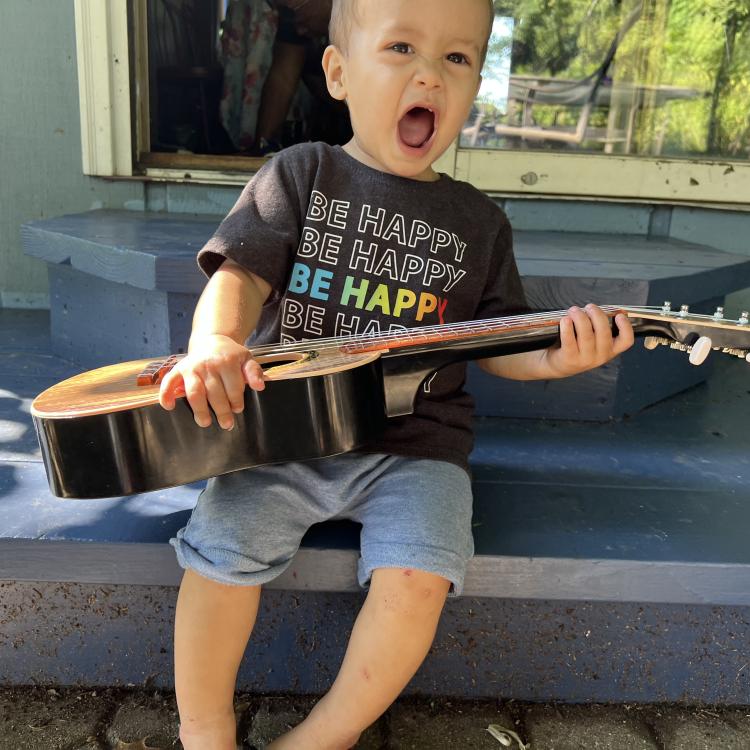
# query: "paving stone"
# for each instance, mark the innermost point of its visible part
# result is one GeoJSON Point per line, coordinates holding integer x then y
{"type": "Point", "coordinates": [587, 728]}
{"type": "Point", "coordinates": [703, 728]}
{"type": "Point", "coordinates": [145, 721]}
{"type": "Point", "coordinates": [274, 716]}
{"type": "Point", "coordinates": [446, 725]}
{"type": "Point", "coordinates": [51, 719]}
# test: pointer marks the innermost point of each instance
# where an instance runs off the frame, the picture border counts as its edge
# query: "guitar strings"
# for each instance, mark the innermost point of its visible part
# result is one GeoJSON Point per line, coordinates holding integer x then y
{"type": "Point", "coordinates": [489, 325]}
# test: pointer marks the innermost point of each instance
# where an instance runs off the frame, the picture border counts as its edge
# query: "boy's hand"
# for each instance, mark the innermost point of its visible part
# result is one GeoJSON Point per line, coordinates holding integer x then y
{"type": "Point", "coordinates": [213, 374]}
{"type": "Point", "coordinates": [586, 341]}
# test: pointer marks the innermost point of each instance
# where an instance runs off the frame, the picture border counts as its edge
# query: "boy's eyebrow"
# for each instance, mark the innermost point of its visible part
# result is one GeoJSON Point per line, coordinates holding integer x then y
{"type": "Point", "coordinates": [467, 42]}
{"type": "Point", "coordinates": [400, 29]}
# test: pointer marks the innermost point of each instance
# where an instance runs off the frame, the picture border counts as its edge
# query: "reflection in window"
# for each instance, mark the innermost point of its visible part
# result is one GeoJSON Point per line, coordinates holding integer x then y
{"type": "Point", "coordinates": [239, 76]}
{"type": "Point", "coordinates": [664, 78]}
{"type": "Point", "coordinates": [641, 77]}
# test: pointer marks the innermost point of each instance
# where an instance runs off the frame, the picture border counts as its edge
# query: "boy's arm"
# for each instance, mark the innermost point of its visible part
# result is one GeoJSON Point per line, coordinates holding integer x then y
{"type": "Point", "coordinates": [218, 364]}
{"type": "Point", "coordinates": [586, 342]}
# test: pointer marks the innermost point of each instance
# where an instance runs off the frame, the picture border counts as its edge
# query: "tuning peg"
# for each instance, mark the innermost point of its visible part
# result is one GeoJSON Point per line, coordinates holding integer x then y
{"type": "Point", "coordinates": [741, 353]}
{"type": "Point", "coordinates": [700, 350]}
{"type": "Point", "coordinates": [684, 310]}
{"type": "Point", "coordinates": [666, 307]}
{"type": "Point", "coordinates": [719, 314]}
{"type": "Point", "coordinates": [652, 342]}
{"type": "Point", "coordinates": [743, 321]}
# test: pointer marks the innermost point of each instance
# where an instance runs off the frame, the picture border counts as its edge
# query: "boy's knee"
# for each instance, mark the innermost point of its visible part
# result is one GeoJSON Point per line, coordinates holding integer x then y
{"type": "Point", "coordinates": [409, 591]}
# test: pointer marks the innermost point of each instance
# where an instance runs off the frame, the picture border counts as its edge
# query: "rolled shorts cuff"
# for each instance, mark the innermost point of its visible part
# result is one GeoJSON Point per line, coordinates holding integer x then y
{"type": "Point", "coordinates": [225, 566]}
{"type": "Point", "coordinates": [450, 565]}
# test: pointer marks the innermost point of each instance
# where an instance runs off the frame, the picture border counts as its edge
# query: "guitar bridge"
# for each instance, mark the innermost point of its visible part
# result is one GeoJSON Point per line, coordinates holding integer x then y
{"type": "Point", "coordinates": [154, 372]}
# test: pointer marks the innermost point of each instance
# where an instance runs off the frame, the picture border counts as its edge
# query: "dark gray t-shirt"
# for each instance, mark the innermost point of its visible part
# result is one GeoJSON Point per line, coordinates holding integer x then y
{"type": "Point", "coordinates": [349, 250]}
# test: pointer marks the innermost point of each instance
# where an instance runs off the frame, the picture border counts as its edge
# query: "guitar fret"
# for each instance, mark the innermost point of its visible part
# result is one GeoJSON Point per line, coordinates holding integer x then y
{"type": "Point", "coordinates": [415, 338]}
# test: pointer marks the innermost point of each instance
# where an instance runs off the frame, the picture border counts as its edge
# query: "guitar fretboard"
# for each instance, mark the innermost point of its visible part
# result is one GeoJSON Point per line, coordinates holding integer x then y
{"type": "Point", "coordinates": [439, 336]}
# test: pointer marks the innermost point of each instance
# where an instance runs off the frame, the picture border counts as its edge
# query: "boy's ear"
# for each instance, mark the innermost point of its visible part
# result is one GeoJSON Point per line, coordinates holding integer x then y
{"type": "Point", "coordinates": [334, 69]}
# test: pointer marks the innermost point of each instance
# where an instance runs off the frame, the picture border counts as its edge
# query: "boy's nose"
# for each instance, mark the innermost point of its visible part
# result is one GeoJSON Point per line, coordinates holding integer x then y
{"type": "Point", "coordinates": [428, 73]}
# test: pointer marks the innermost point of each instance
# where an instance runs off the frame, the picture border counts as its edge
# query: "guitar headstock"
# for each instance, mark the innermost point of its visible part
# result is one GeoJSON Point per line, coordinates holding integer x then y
{"type": "Point", "coordinates": [697, 335]}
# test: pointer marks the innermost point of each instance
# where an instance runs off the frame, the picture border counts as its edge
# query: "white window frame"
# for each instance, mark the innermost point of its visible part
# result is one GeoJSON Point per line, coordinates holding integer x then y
{"type": "Point", "coordinates": [104, 87]}
{"type": "Point", "coordinates": [111, 132]}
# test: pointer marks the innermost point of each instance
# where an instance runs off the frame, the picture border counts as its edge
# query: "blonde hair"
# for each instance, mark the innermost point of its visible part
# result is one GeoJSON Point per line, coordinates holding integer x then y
{"type": "Point", "coordinates": [344, 14]}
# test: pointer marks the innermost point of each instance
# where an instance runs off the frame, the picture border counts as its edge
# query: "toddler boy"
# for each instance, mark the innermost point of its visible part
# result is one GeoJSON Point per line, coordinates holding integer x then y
{"type": "Point", "coordinates": [337, 241]}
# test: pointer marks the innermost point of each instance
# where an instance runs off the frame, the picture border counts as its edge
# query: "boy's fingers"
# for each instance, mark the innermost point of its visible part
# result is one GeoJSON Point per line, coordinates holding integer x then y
{"type": "Point", "coordinates": [195, 393]}
{"type": "Point", "coordinates": [253, 373]}
{"type": "Point", "coordinates": [234, 387]}
{"type": "Point", "coordinates": [625, 335]}
{"type": "Point", "coordinates": [568, 335]}
{"type": "Point", "coordinates": [584, 331]}
{"type": "Point", "coordinates": [602, 329]}
{"type": "Point", "coordinates": [217, 398]}
{"type": "Point", "coordinates": [171, 388]}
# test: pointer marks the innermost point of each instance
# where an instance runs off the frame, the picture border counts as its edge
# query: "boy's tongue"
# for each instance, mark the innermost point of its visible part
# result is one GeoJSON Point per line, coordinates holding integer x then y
{"type": "Point", "coordinates": [415, 127]}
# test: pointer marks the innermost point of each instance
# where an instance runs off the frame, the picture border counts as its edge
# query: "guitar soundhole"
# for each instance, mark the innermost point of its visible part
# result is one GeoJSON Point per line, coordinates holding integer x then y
{"type": "Point", "coordinates": [269, 365]}
{"type": "Point", "coordinates": [277, 360]}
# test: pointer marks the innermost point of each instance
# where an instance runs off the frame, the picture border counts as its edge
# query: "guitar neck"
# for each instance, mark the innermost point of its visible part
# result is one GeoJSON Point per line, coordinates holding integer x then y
{"type": "Point", "coordinates": [430, 347]}
{"type": "Point", "coordinates": [496, 334]}
{"type": "Point", "coordinates": [410, 356]}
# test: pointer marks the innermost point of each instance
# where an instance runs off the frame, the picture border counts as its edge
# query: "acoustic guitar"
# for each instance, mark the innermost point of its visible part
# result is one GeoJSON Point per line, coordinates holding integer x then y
{"type": "Point", "coordinates": [104, 434]}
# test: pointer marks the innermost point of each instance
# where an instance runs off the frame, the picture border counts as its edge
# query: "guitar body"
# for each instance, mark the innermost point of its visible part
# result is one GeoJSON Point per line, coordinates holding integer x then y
{"type": "Point", "coordinates": [104, 434]}
{"type": "Point", "coordinates": [100, 451]}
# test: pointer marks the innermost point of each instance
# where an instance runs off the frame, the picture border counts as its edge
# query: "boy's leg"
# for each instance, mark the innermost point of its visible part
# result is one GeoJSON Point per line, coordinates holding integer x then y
{"type": "Point", "coordinates": [416, 517]}
{"type": "Point", "coordinates": [213, 622]}
{"type": "Point", "coordinates": [244, 529]}
{"type": "Point", "coordinates": [390, 639]}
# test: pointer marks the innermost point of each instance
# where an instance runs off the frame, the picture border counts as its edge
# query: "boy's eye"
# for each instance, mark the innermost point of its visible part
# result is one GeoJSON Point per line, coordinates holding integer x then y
{"type": "Point", "coordinates": [459, 58]}
{"type": "Point", "coordinates": [401, 47]}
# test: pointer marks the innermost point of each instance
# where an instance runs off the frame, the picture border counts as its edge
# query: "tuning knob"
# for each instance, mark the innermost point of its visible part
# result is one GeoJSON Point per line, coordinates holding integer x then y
{"type": "Point", "coordinates": [684, 310]}
{"type": "Point", "coordinates": [743, 321]}
{"type": "Point", "coordinates": [701, 349]}
{"type": "Point", "coordinates": [654, 342]}
{"type": "Point", "coordinates": [719, 314]}
{"type": "Point", "coordinates": [666, 307]}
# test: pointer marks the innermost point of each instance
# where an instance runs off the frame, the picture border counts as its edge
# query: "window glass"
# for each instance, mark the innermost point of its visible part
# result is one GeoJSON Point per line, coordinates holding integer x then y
{"type": "Point", "coordinates": [239, 76]}
{"type": "Point", "coordinates": [652, 78]}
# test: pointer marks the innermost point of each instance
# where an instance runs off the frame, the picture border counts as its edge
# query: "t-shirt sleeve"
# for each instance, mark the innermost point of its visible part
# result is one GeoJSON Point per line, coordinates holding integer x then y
{"type": "Point", "coordinates": [504, 293]}
{"type": "Point", "coordinates": [262, 231]}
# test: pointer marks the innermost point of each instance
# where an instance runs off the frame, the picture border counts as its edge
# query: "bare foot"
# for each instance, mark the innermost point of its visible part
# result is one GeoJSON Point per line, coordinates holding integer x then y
{"type": "Point", "coordinates": [300, 738]}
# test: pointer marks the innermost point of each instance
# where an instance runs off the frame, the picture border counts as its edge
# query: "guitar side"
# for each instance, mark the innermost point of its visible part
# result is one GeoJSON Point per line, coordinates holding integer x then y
{"type": "Point", "coordinates": [111, 452]}
{"type": "Point", "coordinates": [103, 435]}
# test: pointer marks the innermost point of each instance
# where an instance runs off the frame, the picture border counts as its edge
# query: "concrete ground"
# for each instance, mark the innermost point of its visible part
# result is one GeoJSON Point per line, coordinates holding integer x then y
{"type": "Point", "coordinates": [38, 718]}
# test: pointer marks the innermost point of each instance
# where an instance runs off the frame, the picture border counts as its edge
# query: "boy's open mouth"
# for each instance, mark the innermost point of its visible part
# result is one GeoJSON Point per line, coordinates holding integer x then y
{"type": "Point", "coordinates": [416, 127]}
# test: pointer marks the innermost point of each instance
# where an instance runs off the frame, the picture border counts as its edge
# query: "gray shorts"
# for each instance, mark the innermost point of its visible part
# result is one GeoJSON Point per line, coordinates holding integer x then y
{"type": "Point", "coordinates": [415, 513]}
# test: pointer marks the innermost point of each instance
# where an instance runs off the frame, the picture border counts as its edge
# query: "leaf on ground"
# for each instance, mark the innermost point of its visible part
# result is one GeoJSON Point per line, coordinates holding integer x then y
{"type": "Point", "coordinates": [506, 737]}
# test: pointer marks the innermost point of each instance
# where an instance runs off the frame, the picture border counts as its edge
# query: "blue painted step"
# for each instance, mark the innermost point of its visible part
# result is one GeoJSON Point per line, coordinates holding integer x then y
{"type": "Point", "coordinates": [563, 509]}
